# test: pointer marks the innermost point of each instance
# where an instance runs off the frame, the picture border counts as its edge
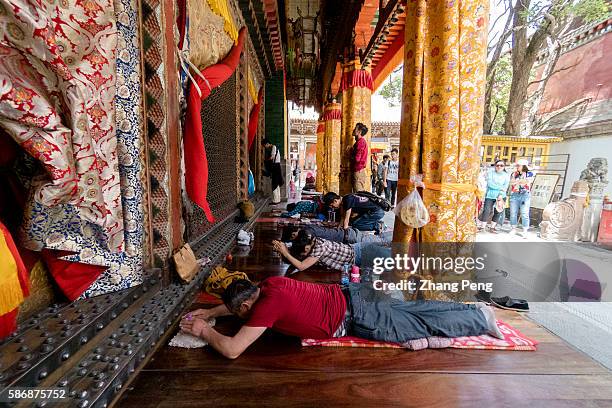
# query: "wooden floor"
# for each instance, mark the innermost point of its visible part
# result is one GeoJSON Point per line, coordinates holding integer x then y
{"type": "Point", "coordinates": [277, 371]}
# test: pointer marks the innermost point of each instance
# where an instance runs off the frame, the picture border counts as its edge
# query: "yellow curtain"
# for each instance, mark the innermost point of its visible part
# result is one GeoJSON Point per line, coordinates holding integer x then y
{"type": "Point", "coordinates": [441, 127]}
{"type": "Point", "coordinates": [221, 8]}
{"type": "Point", "coordinates": [252, 90]}
{"type": "Point", "coordinates": [11, 294]}
{"type": "Point", "coordinates": [333, 128]}
{"type": "Point", "coordinates": [320, 179]}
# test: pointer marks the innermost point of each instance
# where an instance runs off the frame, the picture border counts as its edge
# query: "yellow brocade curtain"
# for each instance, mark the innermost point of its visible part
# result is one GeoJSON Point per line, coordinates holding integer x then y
{"type": "Point", "coordinates": [253, 91]}
{"type": "Point", "coordinates": [320, 156]}
{"type": "Point", "coordinates": [209, 42]}
{"type": "Point", "coordinates": [356, 87]}
{"type": "Point", "coordinates": [221, 8]}
{"type": "Point", "coordinates": [333, 127]}
{"type": "Point", "coordinates": [442, 113]}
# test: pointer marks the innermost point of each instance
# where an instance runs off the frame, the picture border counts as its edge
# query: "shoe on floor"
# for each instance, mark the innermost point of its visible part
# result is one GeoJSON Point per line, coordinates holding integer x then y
{"type": "Point", "coordinates": [508, 303]}
{"type": "Point", "coordinates": [484, 297]}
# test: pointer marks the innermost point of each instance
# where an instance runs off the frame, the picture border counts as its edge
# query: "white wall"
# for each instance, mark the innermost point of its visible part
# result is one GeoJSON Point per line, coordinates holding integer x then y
{"type": "Point", "coordinates": [581, 150]}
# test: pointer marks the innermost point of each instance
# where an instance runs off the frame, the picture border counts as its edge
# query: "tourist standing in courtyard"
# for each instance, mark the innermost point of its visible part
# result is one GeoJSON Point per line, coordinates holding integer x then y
{"type": "Point", "coordinates": [381, 186]}
{"type": "Point", "coordinates": [520, 196]}
{"type": "Point", "coordinates": [359, 158]}
{"type": "Point", "coordinates": [391, 177]}
{"type": "Point", "coordinates": [273, 169]}
{"type": "Point", "coordinates": [497, 185]}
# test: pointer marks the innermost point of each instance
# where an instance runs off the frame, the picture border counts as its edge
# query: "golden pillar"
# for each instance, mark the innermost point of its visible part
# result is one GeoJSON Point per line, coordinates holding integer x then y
{"type": "Point", "coordinates": [333, 126]}
{"type": "Point", "coordinates": [321, 156]}
{"type": "Point", "coordinates": [356, 88]}
{"type": "Point", "coordinates": [441, 126]}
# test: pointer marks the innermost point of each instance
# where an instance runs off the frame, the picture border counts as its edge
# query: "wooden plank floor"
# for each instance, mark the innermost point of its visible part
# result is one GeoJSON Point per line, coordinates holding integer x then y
{"type": "Point", "coordinates": [277, 371]}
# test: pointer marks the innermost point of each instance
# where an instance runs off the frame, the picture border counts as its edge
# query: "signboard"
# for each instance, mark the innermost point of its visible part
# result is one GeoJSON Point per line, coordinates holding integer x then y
{"type": "Point", "coordinates": [542, 189]}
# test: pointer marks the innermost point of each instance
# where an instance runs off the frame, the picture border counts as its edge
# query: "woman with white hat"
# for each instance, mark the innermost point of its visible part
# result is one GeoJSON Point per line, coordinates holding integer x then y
{"type": "Point", "coordinates": [520, 196]}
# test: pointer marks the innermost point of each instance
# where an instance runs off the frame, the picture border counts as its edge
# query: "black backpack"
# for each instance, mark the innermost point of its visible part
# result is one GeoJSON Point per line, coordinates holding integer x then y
{"type": "Point", "coordinates": [379, 201]}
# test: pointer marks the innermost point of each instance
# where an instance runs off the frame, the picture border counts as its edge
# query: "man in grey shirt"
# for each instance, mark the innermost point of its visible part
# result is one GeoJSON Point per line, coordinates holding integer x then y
{"type": "Point", "coordinates": [380, 186]}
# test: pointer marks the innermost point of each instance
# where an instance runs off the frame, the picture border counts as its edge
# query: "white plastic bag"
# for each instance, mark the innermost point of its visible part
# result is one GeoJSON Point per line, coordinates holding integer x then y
{"type": "Point", "coordinates": [412, 210]}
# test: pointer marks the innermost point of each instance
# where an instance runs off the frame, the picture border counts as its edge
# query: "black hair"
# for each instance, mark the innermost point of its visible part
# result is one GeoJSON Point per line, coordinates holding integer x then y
{"type": "Point", "coordinates": [291, 206]}
{"type": "Point", "coordinates": [329, 197]}
{"type": "Point", "coordinates": [265, 141]}
{"type": "Point", "coordinates": [238, 292]}
{"type": "Point", "coordinates": [363, 129]}
{"type": "Point", "coordinates": [499, 160]}
{"type": "Point", "coordinates": [298, 245]}
{"type": "Point", "coordinates": [386, 156]}
{"type": "Point", "coordinates": [394, 150]}
{"type": "Point", "coordinates": [288, 231]}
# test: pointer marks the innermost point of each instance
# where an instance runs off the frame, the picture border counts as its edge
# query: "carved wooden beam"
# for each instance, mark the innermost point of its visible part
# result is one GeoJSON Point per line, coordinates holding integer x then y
{"type": "Point", "coordinates": [337, 37]}
{"type": "Point", "coordinates": [385, 14]}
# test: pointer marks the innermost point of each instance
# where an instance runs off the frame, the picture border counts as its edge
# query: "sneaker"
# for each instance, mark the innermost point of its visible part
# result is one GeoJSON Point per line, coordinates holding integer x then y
{"type": "Point", "coordinates": [483, 297]}
{"type": "Point", "coordinates": [508, 303]}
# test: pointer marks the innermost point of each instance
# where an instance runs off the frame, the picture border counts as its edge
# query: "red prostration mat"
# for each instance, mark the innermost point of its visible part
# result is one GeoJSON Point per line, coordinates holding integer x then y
{"type": "Point", "coordinates": [514, 340]}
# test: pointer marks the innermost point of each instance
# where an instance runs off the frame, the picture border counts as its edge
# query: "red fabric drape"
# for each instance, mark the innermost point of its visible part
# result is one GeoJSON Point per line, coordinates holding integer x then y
{"type": "Point", "coordinates": [196, 164]}
{"type": "Point", "coordinates": [181, 21]}
{"type": "Point", "coordinates": [356, 78]}
{"type": "Point", "coordinates": [73, 278]}
{"type": "Point", "coordinates": [254, 118]}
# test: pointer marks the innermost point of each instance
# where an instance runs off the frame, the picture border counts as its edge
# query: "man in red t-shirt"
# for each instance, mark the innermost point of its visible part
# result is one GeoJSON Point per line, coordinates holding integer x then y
{"type": "Point", "coordinates": [319, 311]}
{"type": "Point", "coordinates": [360, 158]}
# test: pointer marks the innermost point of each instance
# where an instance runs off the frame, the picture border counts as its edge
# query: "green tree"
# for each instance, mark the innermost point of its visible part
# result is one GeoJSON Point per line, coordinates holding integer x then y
{"type": "Point", "coordinates": [539, 26]}
{"type": "Point", "coordinates": [391, 91]}
{"type": "Point", "coordinates": [500, 92]}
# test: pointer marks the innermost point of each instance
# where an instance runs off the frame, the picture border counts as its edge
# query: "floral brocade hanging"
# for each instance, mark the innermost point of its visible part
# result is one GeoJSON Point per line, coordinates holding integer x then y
{"type": "Point", "coordinates": [70, 96]}
{"type": "Point", "coordinates": [57, 85]}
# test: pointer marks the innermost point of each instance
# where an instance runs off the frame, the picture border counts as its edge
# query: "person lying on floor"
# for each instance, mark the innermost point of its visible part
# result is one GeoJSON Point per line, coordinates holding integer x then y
{"type": "Point", "coordinates": [359, 211]}
{"type": "Point", "coordinates": [337, 234]}
{"type": "Point", "coordinates": [306, 207]}
{"type": "Point", "coordinates": [306, 250]}
{"type": "Point", "coordinates": [321, 311]}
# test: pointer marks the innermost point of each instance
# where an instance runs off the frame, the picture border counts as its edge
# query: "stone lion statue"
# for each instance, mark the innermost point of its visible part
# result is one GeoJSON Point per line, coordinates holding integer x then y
{"type": "Point", "coordinates": [596, 171]}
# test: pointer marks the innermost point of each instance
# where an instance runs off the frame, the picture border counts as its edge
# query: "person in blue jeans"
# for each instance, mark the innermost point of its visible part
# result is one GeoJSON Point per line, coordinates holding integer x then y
{"type": "Point", "coordinates": [520, 196]}
{"type": "Point", "coordinates": [337, 234]}
{"type": "Point", "coordinates": [359, 211]}
{"type": "Point", "coordinates": [307, 250]}
{"type": "Point", "coordinates": [497, 184]}
{"type": "Point", "coordinates": [312, 310]}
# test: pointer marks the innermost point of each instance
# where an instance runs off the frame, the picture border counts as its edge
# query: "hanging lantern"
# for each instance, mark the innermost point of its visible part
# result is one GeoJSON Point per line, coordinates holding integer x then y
{"type": "Point", "coordinates": [306, 39]}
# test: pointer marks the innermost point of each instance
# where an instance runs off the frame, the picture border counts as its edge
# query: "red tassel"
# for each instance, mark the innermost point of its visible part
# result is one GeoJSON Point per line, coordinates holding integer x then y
{"type": "Point", "coordinates": [332, 114]}
{"type": "Point", "coordinates": [358, 78]}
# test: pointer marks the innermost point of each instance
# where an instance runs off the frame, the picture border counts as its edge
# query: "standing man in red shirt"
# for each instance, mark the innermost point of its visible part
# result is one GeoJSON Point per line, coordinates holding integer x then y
{"type": "Point", "coordinates": [319, 311]}
{"type": "Point", "coordinates": [360, 158]}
